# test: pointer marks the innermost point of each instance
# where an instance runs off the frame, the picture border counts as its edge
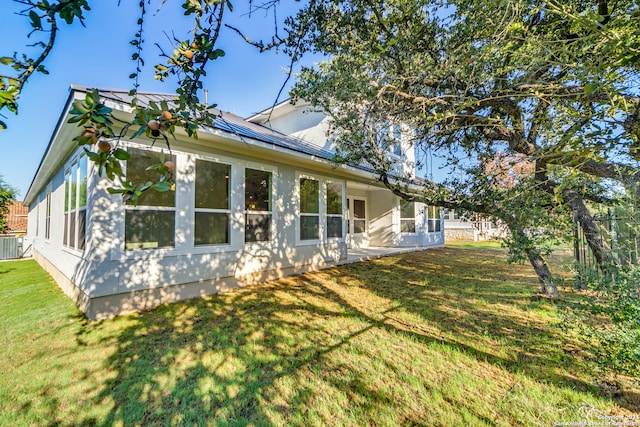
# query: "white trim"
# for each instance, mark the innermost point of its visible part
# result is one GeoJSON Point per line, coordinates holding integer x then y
{"type": "Point", "coordinates": [48, 199]}
{"type": "Point", "coordinates": [322, 208]}
{"type": "Point", "coordinates": [76, 158]}
{"type": "Point", "coordinates": [343, 194]}
{"type": "Point", "coordinates": [400, 218]}
{"type": "Point", "coordinates": [271, 243]}
{"type": "Point", "coordinates": [185, 210]}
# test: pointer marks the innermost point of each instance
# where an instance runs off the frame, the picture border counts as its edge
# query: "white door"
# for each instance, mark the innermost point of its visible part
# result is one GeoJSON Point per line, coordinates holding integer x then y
{"type": "Point", "coordinates": [357, 233]}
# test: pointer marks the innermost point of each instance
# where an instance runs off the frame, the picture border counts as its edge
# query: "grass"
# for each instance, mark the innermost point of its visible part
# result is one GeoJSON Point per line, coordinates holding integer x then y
{"type": "Point", "coordinates": [444, 337]}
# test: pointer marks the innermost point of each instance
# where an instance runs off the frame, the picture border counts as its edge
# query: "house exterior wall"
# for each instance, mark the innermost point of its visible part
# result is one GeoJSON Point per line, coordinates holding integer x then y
{"type": "Point", "coordinates": [381, 209]}
{"type": "Point", "coordinates": [70, 263]}
{"type": "Point", "coordinates": [106, 268]}
{"type": "Point", "coordinates": [106, 278]}
{"type": "Point", "coordinates": [304, 123]}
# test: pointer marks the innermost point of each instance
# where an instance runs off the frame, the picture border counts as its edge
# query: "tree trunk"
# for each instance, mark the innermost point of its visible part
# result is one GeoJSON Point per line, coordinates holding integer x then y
{"type": "Point", "coordinates": [592, 233]}
{"type": "Point", "coordinates": [547, 286]}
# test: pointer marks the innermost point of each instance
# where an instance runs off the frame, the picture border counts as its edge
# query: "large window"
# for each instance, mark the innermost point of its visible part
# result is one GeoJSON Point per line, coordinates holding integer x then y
{"type": "Point", "coordinates": [212, 203]}
{"type": "Point", "coordinates": [75, 204]}
{"type": "Point", "coordinates": [257, 205]}
{"type": "Point", "coordinates": [309, 209]}
{"type": "Point", "coordinates": [150, 223]}
{"type": "Point", "coordinates": [334, 210]}
{"type": "Point", "coordinates": [433, 219]}
{"type": "Point", "coordinates": [407, 216]}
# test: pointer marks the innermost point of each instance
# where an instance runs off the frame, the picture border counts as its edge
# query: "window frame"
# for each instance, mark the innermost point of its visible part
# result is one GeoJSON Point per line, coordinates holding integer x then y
{"type": "Point", "coordinates": [133, 252]}
{"type": "Point", "coordinates": [300, 214]}
{"type": "Point", "coordinates": [47, 213]}
{"type": "Point", "coordinates": [77, 210]}
{"type": "Point", "coordinates": [228, 211]}
{"type": "Point", "coordinates": [433, 221]}
{"type": "Point", "coordinates": [340, 215]}
{"type": "Point", "coordinates": [322, 209]}
{"type": "Point", "coordinates": [353, 219]}
{"type": "Point", "coordinates": [271, 212]}
{"type": "Point", "coordinates": [402, 219]}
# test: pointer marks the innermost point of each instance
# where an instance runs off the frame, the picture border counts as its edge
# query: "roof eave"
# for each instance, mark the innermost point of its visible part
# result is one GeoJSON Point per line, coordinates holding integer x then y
{"type": "Point", "coordinates": [40, 178]}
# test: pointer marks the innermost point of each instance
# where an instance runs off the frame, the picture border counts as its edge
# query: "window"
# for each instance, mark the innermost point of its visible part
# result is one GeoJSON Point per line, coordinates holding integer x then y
{"type": "Point", "coordinates": [150, 224]}
{"type": "Point", "coordinates": [309, 209]}
{"type": "Point", "coordinates": [334, 210]}
{"type": "Point", "coordinates": [433, 219]}
{"type": "Point", "coordinates": [396, 147]}
{"type": "Point", "coordinates": [75, 204]}
{"type": "Point", "coordinates": [38, 214]}
{"type": "Point", "coordinates": [257, 205]}
{"type": "Point", "coordinates": [47, 218]}
{"type": "Point", "coordinates": [407, 217]}
{"type": "Point", "coordinates": [359, 217]}
{"type": "Point", "coordinates": [212, 204]}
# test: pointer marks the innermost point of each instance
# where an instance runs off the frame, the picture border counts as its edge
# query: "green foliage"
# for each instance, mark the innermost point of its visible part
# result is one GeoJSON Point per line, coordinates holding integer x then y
{"type": "Point", "coordinates": [44, 16]}
{"type": "Point", "coordinates": [7, 195]}
{"type": "Point", "coordinates": [552, 82]}
{"type": "Point", "coordinates": [608, 312]}
{"type": "Point", "coordinates": [608, 318]}
{"type": "Point", "coordinates": [156, 122]}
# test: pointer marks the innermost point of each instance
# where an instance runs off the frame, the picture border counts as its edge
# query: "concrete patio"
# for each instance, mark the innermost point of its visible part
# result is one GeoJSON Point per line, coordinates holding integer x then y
{"type": "Point", "coordinates": [372, 252]}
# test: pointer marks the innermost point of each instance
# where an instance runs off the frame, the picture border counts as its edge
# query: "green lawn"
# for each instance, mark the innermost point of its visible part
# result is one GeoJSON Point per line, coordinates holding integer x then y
{"type": "Point", "coordinates": [444, 337]}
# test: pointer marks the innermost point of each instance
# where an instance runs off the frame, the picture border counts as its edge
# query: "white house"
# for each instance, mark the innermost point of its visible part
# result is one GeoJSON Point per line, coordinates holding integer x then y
{"type": "Point", "coordinates": [253, 201]}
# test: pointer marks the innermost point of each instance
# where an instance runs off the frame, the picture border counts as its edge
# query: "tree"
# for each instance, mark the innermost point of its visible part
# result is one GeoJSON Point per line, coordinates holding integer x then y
{"type": "Point", "coordinates": [551, 81]}
{"type": "Point", "coordinates": [186, 60]}
{"type": "Point", "coordinates": [7, 196]}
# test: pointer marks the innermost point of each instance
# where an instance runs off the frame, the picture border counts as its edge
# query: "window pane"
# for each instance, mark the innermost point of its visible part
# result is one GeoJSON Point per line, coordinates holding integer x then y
{"type": "Point", "coordinates": [149, 229]}
{"type": "Point", "coordinates": [136, 172]}
{"type": "Point", "coordinates": [334, 226]}
{"type": "Point", "coordinates": [257, 227]}
{"type": "Point", "coordinates": [309, 196]}
{"type": "Point", "coordinates": [212, 185]}
{"type": "Point", "coordinates": [397, 131]}
{"type": "Point", "coordinates": [47, 220]}
{"type": "Point", "coordinates": [257, 190]}
{"type": "Point", "coordinates": [334, 199]}
{"type": "Point", "coordinates": [359, 226]}
{"type": "Point", "coordinates": [309, 229]}
{"type": "Point", "coordinates": [73, 189]}
{"type": "Point", "coordinates": [359, 210]}
{"type": "Point", "coordinates": [67, 186]}
{"type": "Point", "coordinates": [65, 238]}
{"type": "Point", "coordinates": [211, 228]}
{"type": "Point", "coordinates": [407, 209]}
{"type": "Point", "coordinates": [434, 225]}
{"type": "Point", "coordinates": [82, 217]}
{"type": "Point", "coordinates": [408, 226]}
{"type": "Point", "coordinates": [82, 197]}
{"type": "Point", "coordinates": [72, 229]}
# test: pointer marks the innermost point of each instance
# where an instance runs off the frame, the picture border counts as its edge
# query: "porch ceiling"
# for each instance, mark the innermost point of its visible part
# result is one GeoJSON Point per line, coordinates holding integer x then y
{"type": "Point", "coordinates": [364, 186]}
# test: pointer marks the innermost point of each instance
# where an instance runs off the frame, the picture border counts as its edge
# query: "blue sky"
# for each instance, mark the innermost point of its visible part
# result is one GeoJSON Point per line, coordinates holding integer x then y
{"type": "Point", "coordinates": [242, 82]}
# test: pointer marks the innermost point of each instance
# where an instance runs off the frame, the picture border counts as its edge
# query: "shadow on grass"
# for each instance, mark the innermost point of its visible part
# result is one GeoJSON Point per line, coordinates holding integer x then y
{"type": "Point", "coordinates": [298, 351]}
{"type": "Point", "coordinates": [6, 270]}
